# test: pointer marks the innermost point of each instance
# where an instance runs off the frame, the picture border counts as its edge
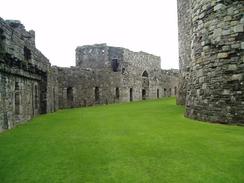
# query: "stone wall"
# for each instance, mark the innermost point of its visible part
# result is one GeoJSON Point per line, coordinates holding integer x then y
{"type": "Point", "coordinates": [31, 86]}
{"type": "Point", "coordinates": [215, 88]}
{"type": "Point", "coordinates": [115, 74]}
{"type": "Point", "coordinates": [184, 35]}
{"type": "Point", "coordinates": [24, 76]}
{"type": "Point", "coordinates": [77, 87]}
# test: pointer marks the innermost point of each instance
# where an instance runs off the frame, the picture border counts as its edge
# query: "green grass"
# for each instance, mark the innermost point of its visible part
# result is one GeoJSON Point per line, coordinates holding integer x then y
{"type": "Point", "coordinates": [147, 141]}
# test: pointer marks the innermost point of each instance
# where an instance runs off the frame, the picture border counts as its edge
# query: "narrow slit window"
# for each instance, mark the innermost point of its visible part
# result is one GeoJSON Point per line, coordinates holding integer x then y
{"type": "Point", "coordinates": [27, 53]}
{"type": "Point", "coordinates": [36, 97]}
{"type": "Point", "coordinates": [17, 99]}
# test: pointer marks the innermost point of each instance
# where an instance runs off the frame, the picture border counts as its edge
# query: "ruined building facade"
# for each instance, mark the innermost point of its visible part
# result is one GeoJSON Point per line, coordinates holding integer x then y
{"type": "Point", "coordinates": [26, 84]}
{"type": "Point", "coordinates": [30, 86]}
{"type": "Point", "coordinates": [211, 41]}
{"type": "Point", "coordinates": [105, 75]}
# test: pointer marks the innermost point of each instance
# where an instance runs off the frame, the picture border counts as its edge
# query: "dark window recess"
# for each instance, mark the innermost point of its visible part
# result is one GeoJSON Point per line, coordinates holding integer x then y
{"type": "Point", "coordinates": [165, 92]}
{"type": "Point", "coordinates": [123, 70]}
{"type": "Point", "coordinates": [97, 94]}
{"type": "Point", "coordinates": [17, 99]}
{"type": "Point", "coordinates": [145, 74]}
{"type": "Point", "coordinates": [131, 94]}
{"type": "Point", "coordinates": [143, 94]}
{"type": "Point", "coordinates": [27, 53]}
{"type": "Point", "coordinates": [36, 97]}
{"type": "Point", "coordinates": [157, 93]}
{"type": "Point", "coordinates": [117, 93]}
{"type": "Point", "coordinates": [16, 86]}
{"type": "Point", "coordinates": [115, 65]}
{"type": "Point", "coordinates": [70, 95]}
{"type": "Point", "coordinates": [2, 37]}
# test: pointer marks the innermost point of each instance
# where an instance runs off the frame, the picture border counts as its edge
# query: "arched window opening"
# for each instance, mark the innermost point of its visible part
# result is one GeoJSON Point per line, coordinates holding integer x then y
{"type": "Point", "coordinates": [165, 92]}
{"type": "Point", "coordinates": [145, 74]}
{"type": "Point", "coordinates": [123, 70]}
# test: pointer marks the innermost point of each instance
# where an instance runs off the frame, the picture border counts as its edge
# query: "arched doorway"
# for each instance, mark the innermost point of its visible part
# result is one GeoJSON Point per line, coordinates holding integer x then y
{"type": "Point", "coordinates": [145, 85]}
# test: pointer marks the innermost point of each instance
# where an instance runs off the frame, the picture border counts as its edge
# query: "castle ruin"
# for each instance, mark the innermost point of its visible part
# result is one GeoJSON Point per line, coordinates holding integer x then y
{"type": "Point", "coordinates": [211, 77]}
{"type": "Point", "coordinates": [103, 75]}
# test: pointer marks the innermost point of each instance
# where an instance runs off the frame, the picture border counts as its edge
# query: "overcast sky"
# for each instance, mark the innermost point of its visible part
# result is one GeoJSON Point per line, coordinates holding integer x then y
{"type": "Point", "coordinates": [62, 25]}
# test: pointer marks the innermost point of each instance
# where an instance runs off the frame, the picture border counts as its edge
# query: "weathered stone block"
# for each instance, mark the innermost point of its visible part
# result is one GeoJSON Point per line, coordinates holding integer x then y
{"type": "Point", "coordinates": [219, 7]}
{"type": "Point", "coordinates": [232, 67]}
{"type": "Point", "coordinates": [239, 28]}
{"type": "Point", "coordinates": [222, 55]}
{"type": "Point", "coordinates": [242, 45]}
{"type": "Point", "coordinates": [226, 92]}
{"type": "Point", "coordinates": [237, 77]}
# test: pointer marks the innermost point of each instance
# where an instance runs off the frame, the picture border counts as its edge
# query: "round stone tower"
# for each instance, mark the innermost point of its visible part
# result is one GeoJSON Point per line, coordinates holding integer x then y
{"type": "Point", "coordinates": [215, 87]}
{"type": "Point", "coordinates": [184, 34]}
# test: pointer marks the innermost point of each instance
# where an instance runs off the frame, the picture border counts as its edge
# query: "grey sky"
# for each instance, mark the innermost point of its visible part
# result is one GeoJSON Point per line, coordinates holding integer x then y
{"type": "Point", "coordinates": [62, 25]}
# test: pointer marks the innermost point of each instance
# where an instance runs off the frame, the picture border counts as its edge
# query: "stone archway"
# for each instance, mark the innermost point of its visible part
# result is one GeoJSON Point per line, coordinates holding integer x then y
{"type": "Point", "coordinates": [145, 85]}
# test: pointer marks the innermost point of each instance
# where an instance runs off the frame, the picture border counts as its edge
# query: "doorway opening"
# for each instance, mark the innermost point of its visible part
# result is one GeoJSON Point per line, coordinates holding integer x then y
{"type": "Point", "coordinates": [97, 94]}
{"type": "Point", "coordinates": [131, 94]}
{"type": "Point", "coordinates": [143, 94]}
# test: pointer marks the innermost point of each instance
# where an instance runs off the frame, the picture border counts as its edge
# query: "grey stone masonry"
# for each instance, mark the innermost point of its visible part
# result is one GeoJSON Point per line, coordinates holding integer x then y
{"type": "Point", "coordinates": [184, 36]}
{"type": "Point", "coordinates": [105, 74]}
{"type": "Point", "coordinates": [26, 82]}
{"type": "Point", "coordinates": [30, 86]}
{"type": "Point", "coordinates": [215, 83]}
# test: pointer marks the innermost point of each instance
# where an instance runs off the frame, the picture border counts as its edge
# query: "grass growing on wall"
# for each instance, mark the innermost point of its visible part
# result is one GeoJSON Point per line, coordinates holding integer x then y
{"type": "Point", "coordinates": [148, 141]}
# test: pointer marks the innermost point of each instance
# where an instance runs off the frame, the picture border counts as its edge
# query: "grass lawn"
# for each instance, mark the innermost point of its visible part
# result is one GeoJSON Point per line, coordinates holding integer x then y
{"type": "Point", "coordinates": [147, 141]}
